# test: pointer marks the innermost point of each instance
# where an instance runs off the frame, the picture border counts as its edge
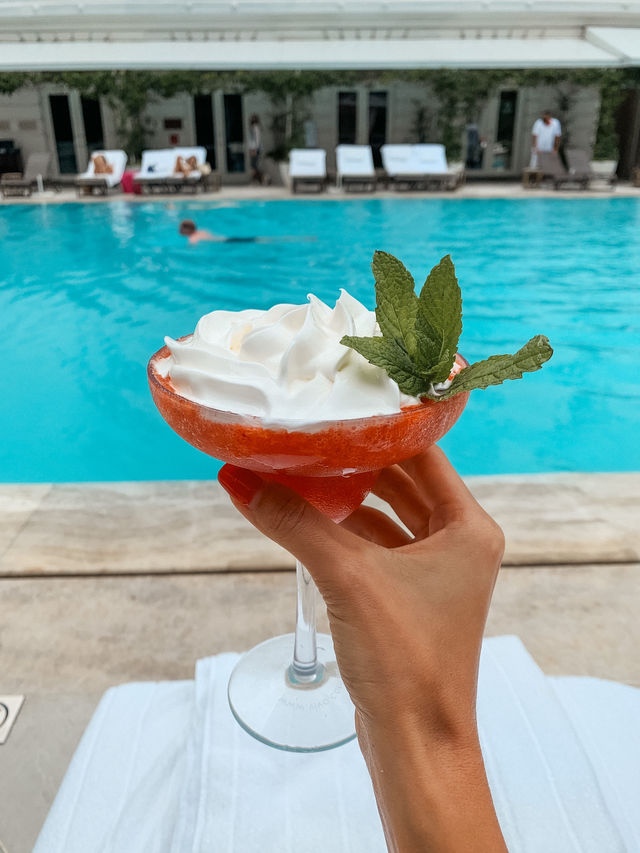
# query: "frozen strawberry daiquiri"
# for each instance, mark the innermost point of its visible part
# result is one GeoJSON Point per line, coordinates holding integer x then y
{"type": "Point", "coordinates": [333, 464]}
{"type": "Point", "coordinates": [276, 392]}
{"type": "Point", "coordinates": [320, 399]}
{"type": "Point", "coordinates": [330, 459]}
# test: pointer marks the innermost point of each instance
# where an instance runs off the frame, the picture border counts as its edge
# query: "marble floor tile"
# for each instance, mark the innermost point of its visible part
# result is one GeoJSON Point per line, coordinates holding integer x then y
{"type": "Point", "coordinates": [190, 526]}
{"type": "Point", "coordinates": [87, 633]}
{"type": "Point", "coordinates": [65, 640]}
{"type": "Point", "coordinates": [133, 527]}
{"type": "Point", "coordinates": [558, 518]}
{"type": "Point", "coordinates": [18, 502]}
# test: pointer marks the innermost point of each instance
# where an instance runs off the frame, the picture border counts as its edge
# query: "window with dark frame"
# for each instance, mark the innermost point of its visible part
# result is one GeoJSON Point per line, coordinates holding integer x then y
{"type": "Point", "coordinates": [377, 125]}
{"type": "Point", "coordinates": [347, 117]}
{"type": "Point", "coordinates": [234, 133]}
{"type": "Point", "coordinates": [92, 120]}
{"type": "Point", "coordinates": [506, 129]}
{"type": "Point", "coordinates": [205, 130]}
{"type": "Point", "coordinates": [63, 133]}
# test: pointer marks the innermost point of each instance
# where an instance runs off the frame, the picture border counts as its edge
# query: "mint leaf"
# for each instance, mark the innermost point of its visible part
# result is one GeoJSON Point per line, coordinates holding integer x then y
{"type": "Point", "coordinates": [390, 356]}
{"type": "Point", "coordinates": [439, 320]}
{"type": "Point", "coordinates": [420, 334]}
{"type": "Point", "coordinates": [498, 368]}
{"type": "Point", "coordinates": [396, 301]}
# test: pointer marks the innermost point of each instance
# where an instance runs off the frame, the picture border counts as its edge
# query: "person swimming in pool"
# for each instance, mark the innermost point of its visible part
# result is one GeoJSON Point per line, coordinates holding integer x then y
{"type": "Point", "coordinates": [190, 230]}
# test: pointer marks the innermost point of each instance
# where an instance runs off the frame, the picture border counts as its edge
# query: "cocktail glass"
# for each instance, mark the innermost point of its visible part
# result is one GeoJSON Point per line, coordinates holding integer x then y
{"type": "Point", "coordinates": [287, 691]}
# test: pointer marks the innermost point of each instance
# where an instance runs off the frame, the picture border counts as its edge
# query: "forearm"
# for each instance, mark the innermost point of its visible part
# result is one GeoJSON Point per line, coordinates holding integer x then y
{"type": "Point", "coordinates": [432, 793]}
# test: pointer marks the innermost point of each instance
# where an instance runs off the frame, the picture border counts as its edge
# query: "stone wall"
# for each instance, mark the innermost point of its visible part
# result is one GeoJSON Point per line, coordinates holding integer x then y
{"type": "Point", "coordinates": [21, 119]}
{"type": "Point", "coordinates": [25, 117]}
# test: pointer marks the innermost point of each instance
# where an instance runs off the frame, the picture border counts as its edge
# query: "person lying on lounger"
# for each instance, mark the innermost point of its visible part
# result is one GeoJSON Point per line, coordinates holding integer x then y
{"type": "Point", "coordinates": [101, 166]}
{"type": "Point", "coordinates": [184, 166]}
{"type": "Point", "coordinates": [188, 165]}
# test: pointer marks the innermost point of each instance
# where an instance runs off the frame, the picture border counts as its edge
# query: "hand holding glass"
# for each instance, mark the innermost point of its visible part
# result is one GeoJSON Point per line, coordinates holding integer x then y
{"type": "Point", "coordinates": [287, 692]}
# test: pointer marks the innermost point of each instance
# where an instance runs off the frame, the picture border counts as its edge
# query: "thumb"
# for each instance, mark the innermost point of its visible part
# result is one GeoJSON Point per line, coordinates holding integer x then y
{"type": "Point", "coordinates": [292, 522]}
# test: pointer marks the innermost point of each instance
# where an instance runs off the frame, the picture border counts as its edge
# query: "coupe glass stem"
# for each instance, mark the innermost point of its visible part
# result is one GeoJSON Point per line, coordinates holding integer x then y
{"type": "Point", "coordinates": [305, 668]}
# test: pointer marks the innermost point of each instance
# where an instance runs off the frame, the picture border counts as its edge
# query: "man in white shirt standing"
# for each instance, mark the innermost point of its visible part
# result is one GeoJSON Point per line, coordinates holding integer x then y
{"type": "Point", "coordinates": [545, 136]}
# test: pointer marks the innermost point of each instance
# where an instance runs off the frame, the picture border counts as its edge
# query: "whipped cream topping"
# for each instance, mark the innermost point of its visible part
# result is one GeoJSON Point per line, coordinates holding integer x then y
{"type": "Point", "coordinates": [285, 364]}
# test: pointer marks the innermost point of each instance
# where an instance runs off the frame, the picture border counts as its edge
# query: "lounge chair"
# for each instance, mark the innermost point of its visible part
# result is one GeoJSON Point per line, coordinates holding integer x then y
{"type": "Point", "coordinates": [156, 168]}
{"type": "Point", "coordinates": [400, 164]}
{"type": "Point", "coordinates": [158, 171]}
{"type": "Point", "coordinates": [355, 168]}
{"type": "Point", "coordinates": [430, 160]}
{"type": "Point", "coordinates": [552, 168]}
{"type": "Point", "coordinates": [196, 179]}
{"type": "Point", "coordinates": [102, 183]}
{"type": "Point", "coordinates": [22, 183]}
{"type": "Point", "coordinates": [308, 169]}
{"type": "Point", "coordinates": [578, 164]}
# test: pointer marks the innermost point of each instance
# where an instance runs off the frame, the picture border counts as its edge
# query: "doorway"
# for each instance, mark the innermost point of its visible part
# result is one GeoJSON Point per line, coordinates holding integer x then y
{"type": "Point", "coordinates": [347, 117]}
{"type": "Point", "coordinates": [92, 120]}
{"type": "Point", "coordinates": [234, 133]}
{"type": "Point", "coordinates": [63, 134]}
{"type": "Point", "coordinates": [377, 125]}
{"type": "Point", "coordinates": [205, 132]}
{"type": "Point", "coordinates": [503, 148]}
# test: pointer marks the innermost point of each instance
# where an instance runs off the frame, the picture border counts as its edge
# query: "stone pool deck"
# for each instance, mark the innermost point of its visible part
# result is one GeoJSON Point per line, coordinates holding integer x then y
{"type": "Point", "coordinates": [106, 583]}
{"type": "Point", "coordinates": [481, 189]}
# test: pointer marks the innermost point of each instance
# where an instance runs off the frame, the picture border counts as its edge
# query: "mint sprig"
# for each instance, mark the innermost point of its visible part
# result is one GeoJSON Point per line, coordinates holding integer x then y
{"type": "Point", "coordinates": [496, 369]}
{"type": "Point", "coordinates": [440, 318]}
{"type": "Point", "coordinates": [420, 335]}
{"type": "Point", "coordinates": [397, 303]}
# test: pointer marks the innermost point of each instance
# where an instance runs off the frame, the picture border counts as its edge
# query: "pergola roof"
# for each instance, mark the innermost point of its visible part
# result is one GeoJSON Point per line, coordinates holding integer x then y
{"type": "Point", "coordinates": [229, 34]}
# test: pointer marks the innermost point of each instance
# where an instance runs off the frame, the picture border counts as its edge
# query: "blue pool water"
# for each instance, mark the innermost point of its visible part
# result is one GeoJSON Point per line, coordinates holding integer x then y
{"type": "Point", "coordinates": [87, 293]}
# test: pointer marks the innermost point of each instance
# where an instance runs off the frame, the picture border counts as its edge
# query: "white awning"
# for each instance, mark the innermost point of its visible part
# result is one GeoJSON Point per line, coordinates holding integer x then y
{"type": "Point", "coordinates": [623, 42]}
{"type": "Point", "coordinates": [233, 34]}
{"type": "Point", "coordinates": [388, 54]}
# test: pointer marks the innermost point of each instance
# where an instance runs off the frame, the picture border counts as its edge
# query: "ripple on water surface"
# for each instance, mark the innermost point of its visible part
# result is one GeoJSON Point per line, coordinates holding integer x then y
{"type": "Point", "coordinates": [89, 291]}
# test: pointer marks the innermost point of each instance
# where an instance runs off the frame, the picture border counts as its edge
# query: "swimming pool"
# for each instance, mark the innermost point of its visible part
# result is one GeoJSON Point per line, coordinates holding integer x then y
{"type": "Point", "coordinates": [88, 291]}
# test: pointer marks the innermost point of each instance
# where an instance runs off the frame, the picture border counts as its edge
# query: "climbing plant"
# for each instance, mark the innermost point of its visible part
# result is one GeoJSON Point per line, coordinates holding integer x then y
{"type": "Point", "coordinates": [461, 95]}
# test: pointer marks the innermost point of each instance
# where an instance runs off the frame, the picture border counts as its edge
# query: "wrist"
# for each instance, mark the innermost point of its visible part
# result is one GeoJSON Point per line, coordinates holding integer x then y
{"type": "Point", "coordinates": [432, 790]}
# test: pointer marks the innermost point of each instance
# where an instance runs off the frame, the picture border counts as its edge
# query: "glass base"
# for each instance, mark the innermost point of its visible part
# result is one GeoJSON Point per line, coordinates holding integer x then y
{"type": "Point", "coordinates": [310, 714]}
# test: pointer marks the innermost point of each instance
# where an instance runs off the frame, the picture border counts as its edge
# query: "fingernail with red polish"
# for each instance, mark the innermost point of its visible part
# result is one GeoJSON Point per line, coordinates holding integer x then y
{"type": "Point", "coordinates": [241, 484]}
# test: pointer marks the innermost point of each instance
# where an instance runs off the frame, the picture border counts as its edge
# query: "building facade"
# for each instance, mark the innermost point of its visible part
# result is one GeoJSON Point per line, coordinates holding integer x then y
{"type": "Point", "coordinates": [493, 143]}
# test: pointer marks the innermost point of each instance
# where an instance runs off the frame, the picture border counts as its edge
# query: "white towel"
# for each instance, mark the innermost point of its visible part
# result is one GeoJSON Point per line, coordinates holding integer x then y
{"type": "Point", "coordinates": [164, 768]}
{"type": "Point", "coordinates": [545, 790]}
{"type": "Point", "coordinates": [121, 790]}
{"type": "Point", "coordinates": [241, 795]}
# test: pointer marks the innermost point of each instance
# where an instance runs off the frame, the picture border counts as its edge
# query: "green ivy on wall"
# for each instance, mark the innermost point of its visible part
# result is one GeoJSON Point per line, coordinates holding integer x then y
{"type": "Point", "coordinates": [461, 94]}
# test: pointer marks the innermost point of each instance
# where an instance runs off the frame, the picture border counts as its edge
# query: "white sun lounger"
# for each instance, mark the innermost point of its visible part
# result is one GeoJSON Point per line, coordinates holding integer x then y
{"type": "Point", "coordinates": [401, 165]}
{"type": "Point", "coordinates": [156, 163]}
{"type": "Point", "coordinates": [355, 167]}
{"type": "Point", "coordinates": [117, 159]}
{"type": "Point", "coordinates": [419, 167]}
{"type": "Point", "coordinates": [431, 162]}
{"type": "Point", "coordinates": [198, 152]}
{"type": "Point", "coordinates": [157, 170]}
{"type": "Point", "coordinates": [308, 168]}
